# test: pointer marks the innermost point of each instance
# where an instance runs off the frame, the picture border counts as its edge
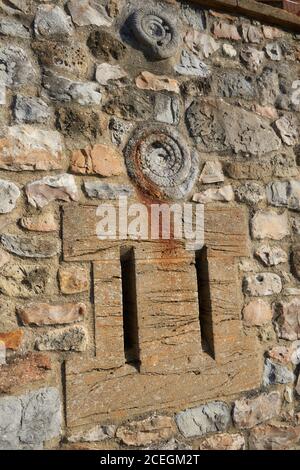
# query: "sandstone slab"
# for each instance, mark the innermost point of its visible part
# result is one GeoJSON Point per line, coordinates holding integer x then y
{"type": "Point", "coordinates": [73, 279]}
{"type": "Point", "coordinates": [274, 437]}
{"type": "Point", "coordinates": [100, 160]}
{"type": "Point", "coordinates": [107, 191]}
{"type": "Point", "coordinates": [12, 339]}
{"type": "Point", "coordinates": [247, 413]}
{"type": "Point", "coordinates": [222, 30]}
{"type": "Point", "coordinates": [271, 255]}
{"type": "Point", "coordinates": [46, 314]}
{"type": "Point", "coordinates": [147, 431]}
{"type": "Point", "coordinates": [52, 188]}
{"type": "Point", "coordinates": [148, 81]}
{"type": "Point", "coordinates": [44, 222]}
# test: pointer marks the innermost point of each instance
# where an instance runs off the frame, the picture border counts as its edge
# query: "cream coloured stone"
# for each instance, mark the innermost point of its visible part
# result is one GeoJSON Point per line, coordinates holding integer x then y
{"type": "Point", "coordinates": [270, 224]}
{"type": "Point", "coordinates": [257, 312]}
{"type": "Point", "coordinates": [224, 194]}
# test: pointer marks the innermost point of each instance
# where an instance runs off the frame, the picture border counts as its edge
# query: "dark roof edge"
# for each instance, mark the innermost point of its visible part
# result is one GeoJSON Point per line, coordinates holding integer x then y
{"type": "Point", "coordinates": [258, 11]}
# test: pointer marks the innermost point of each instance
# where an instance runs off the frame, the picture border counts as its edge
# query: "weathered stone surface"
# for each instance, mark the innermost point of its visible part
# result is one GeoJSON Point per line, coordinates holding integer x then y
{"type": "Point", "coordinates": [271, 255]}
{"type": "Point", "coordinates": [234, 84]}
{"type": "Point", "coordinates": [23, 371]}
{"type": "Point", "coordinates": [65, 339]}
{"type": "Point", "coordinates": [45, 222]}
{"type": "Point", "coordinates": [289, 319]}
{"type": "Point", "coordinates": [147, 431]}
{"type": "Point", "coordinates": [251, 193]}
{"type": "Point", "coordinates": [217, 126]}
{"type": "Point", "coordinates": [271, 33]}
{"type": "Point", "coordinates": [23, 280]}
{"type": "Point", "coordinates": [29, 148]}
{"type": "Point", "coordinates": [269, 224]}
{"type": "Point", "coordinates": [268, 85]}
{"type": "Point", "coordinates": [257, 313]}
{"type": "Point", "coordinates": [193, 16]}
{"type": "Point", "coordinates": [287, 128]}
{"type": "Point", "coordinates": [104, 46]}
{"type": "Point", "coordinates": [96, 434]}
{"type": "Point", "coordinates": [229, 51]}
{"type": "Point", "coordinates": [12, 339]}
{"type": "Point", "coordinates": [10, 422]}
{"type": "Point", "coordinates": [274, 51]}
{"type": "Point", "coordinates": [224, 441]}
{"type": "Point", "coordinates": [98, 190]}
{"type": "Point", "coordinates": [201, 44]}
{"type": "Point", "coordinates": [148, 81]}
{"type": "Point", "coordinates": [266, 111]}
{"type": "Point", "coordinates": [213, 417]}
{"type": "Point", "coordinates": [14, 28]}
{"type": "Point", "coordinates": [191, 65]}
{"type": "Point", "coordinates": [296, 260]}
{"type": "Point", "coordinates": [17, 68]}
{"type": "Point", "coordinates": [247, 413]}
{"type": "Point", "coordinates": [281, 354]}
{"type": "Point", "coordinates": [51, 188]}
{"type": "Point", "coordinates": [107, 74]}
{"type": "Point", "coordinates": [274, 437]}
{"type": "Point", "coordinates": [101, 160]}
{"type": "Point", "coordinates": [224, 194]}
{"type": "Point", "coordinates": [73, 279]}
{"type": "Point", "coordinates": [31, 110]}
{"type": "Point", "coordinates": [41, 416]}
{"type": "Point", "coordinates": [63, 89]}
{"type": "Point", "coordinates": [224, 30]}
{"type": "Point", "coordinates": [88, 12]}
{"type": "Point", "coordinates": [171, 444]}
{"type": "Point", "coordinates": [30, 247]}
{"type": "Point", "coordinates": [4, 258]}
{"type": "Point", "coordinates": [251, 34]}
{"type": "Point", "coordinates": [119, 130]}
{"type": "Point", "coordinates": [167, 108]}
{"type": "Point", "coordinates": [51, 21]}
{"type": "Point", "coordinates": [9, 194]}
{"type": "Point", "coordinates": [46, 314]}
{"type": "Point", "coordinates": [252, 58]}
{"type": "Point", "coordinates": [134, 105]}
{"type": "Point", "coordinates": [262, 284]}
{"type": "Point", "coordinates": [276, 374]}
{"type": "Point", "coordinates": [212, 172]}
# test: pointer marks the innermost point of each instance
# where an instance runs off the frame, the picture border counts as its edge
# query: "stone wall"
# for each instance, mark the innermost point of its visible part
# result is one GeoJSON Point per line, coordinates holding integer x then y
{"type": "Point", "coordinates": [83, 86]}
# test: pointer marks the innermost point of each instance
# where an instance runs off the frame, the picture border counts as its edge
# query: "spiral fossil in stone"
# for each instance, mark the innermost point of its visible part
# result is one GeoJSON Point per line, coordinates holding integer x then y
{"type": "Point", "coordinates": [156, 31]}
{"type": "Point", "coordinates": [160, 162]}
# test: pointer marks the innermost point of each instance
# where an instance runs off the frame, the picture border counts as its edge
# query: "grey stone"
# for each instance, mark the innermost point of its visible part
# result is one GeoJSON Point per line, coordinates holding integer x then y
{"type": "Point", "coordinates": [41, 417]}
{"type": "Point", "coordinates": [52, 21]}
{"type": "Point", "coordinates": [194, 16]}
{"type": "Point", "coordinates": [284, 165]}
{"type": "Point", "coordinates": [252, 34]}
{"type": "Point", "coordinates": [201, 44]}
{"type": "Point", "coordinates": [31, 110]}
{"type": "Point", "coordinates": [88, 12]}
{"type": "Point", "coordinates": [118, 130]}
{"type": "Point", "coordinates": [167, 109]}
{"type": "Point", "coordinates": [15, 66]}
{"type": "Point", "coordinates": [268, 86]}
{"type": "Point", "coordinates": [107, 74]}
{"type": "Point", "coordinates": [271, 255]}
{"type": "Point", "coordinates": [99, 190]}
{"type": "Point", "coordinates": [14, 28]}
{"type": "Point", "coordinates": [274, 51]}
{"type": "Point", "coordinates": [212, 417]}
{"type": "Point", "coordinates": [287, 128]}
{"type": "Point", "coordinates": [190, 64]}
{"type": "Point", "coordinates": [134, 105]}
{"type": "Point", "coordinates": [63, 339]}
{"type": "Point", "coordinates": [251, 193]}
{"type": "Point", "coordinates": [63, 89]}
{"type": "Point", "coordinates": [23, 280]}
{"type": "Point", "coordinates": [30, 247]}
{"type": "Point", "coordinates": [284, 194]}
{"type": "Point", "coordinates": [51, 188]}
{"type": "Point", "coordinates": [9, 194]}
{"type": "Point", "coordinates": [262, 284]}
{"type": "Point", "coordinates": [10, 422]}
{"type": "Point", "coordinates": [97, 434]}
{"type": "Point", "coordinates": [172, 444]}
{"type": "Point", "coordinates": [217, 126]}
{"type": "Point", "coordinates": [252, 58]}
{"type": "Point", "coordinates": [276, 374]}
{"type": "Point", "coordinates": [234, 84]}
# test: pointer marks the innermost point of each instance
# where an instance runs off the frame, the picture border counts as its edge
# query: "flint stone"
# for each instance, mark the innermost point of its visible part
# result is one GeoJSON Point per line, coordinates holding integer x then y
{"type": "Point", "coordinates": [88, 12]}
{"type": "Point", "coordinates": [284, 194]}
{"type": "Point", "coordinates": [218, 126]}
{"type": "Point", "coordinates": [32, 110]}
{"type": "Point", "coordinates": [251, 193]}
{"type": "Point", "coordinates": [51, 21]}
{"type": "Point", "coordinates": [28, 148]}
{"type": "Point", "coordinates": [269, 224]}
{"type": "Point", "coordinates": [252, 58]}
{"type": "Point", "coordinates": [64, 339]}
{"type": "Point", "coordinates": [10, 422]}
{"type": "Point", "coordinates": [9, 194]}
{"type": "Point", "coordinates": [287, 128]}
{"type": "Point", "coordinates": [191, 65]}
{"type": "Point", "coordinates": [107, 74]}
{"type": "Point", "coordinates": [274, 51]}
{"type": "Point", "coordinates": [268, 85]}
{"type": "Point", "coordinates": [12, 27]}
{"type": "Point", "coordinates": [30, 247]}
{"type": "Point", "coordinates": [119, 130]}
{"type": "Point", "coordinates": [251, 34]}
{"type": "Point", "coordinates": [194, 16]}
{"type": "Point", "coordinates": [16, 67]}
{"type": "Point", "coordinates": [63, 89]}
{"type": "Point", "coordinates": [167, 109]}
{"type": "Point", "coordinates": [288, 319]}
{"type": "Point", "coordinates": [51, 188]}
{"type": "Point", "coordinates": [107, 191]}
{"type": "Point", "coordinates": [247, 413]}
{"type": "Point", "coordinates": [229, 51]}
{"type": "Point", "coordinates": [271, 255]}
{"type": "Point", "coordinates": [276, 374]}
{"type": "Point", "coordinates": [262, 284]}
{"type": "Point", "coordinates": [201, 44]}
{"type": "Point", "coordinates": [212, 417]}
{"type": "Point", "coordinates": [41, 416]}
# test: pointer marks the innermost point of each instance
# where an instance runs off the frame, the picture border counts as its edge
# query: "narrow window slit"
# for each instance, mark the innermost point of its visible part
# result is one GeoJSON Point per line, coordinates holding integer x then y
{"type": "Point", "coordinates": [204, 299]}
{"type": "Point", "coordinates": [130, 319]}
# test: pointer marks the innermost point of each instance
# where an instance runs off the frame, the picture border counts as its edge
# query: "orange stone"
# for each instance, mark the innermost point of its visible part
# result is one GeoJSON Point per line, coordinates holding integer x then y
{"type": "Point", "coordinates": [101, 160]}
{"type": "Point", "coordinates": [40, 223]}
{"type": "Point", "coordinates": [12, 339]}
{"type": "Point", "coordinates": [149, 81]}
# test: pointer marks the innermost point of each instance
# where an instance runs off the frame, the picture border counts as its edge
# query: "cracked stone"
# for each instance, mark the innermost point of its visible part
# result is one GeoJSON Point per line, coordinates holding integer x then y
{"type": "Point", "coordinates": [51, 21]}
{"type": "Point", "coordinates": [224, 194]}
{"type": "Point", "coordinates": [10, 421]}
{"type": "Point", "coordinates": [271, 255]}
{"type": "Point", "coordinates": [65, 339]}
{"type": "Point", "coordinates": [287, 128]}
{"type": "Point", "coordinates": [63, 89]}
{"type": "Point", "coordinates": [284, 194]}
{"type": "Point", "coordinates": [100, 160]}
{"type": "Point", "coordinates": [88, 12]}
{"type": "Point", "coordinates": [30, 247]}
{"type": "Point", "coordinates": [224, 30]}
{"type": "Point", "coordinates": [257, 313]}
{"type": "Point", "coordinates": [32, 110]}
{"type": "Point", "coordinates": [16, 67]}
{"type": "Point", "coordinates": [251, 34]}
{"type": "Point", "coordinates": [212, 173]}
{"type": "Point", "coordinates": [191, 65]}
{"type": "Point", "coordinates": [262, 284]}
{"type": "Point", "coordinates": [250, 193]}
{"type": "Point", "coordinates": [14, 28]}
{"type": "Point", "coordinates": [274, 437]}
{"type": "Point", "coordinates": [232, 84]}
{"type": "Point", "coordinates": [167, 109]}
{"type": "Point", "coordinates": [212, 417]}
{"type": "Point", "coordinates": [247, 413]}
{"type": "Point", "coordinates": [252, 58]}
{"type": "Point", "coordinates": [148, 81]}
{"type": "Point", "coordinates": [46, 314]}
{"type": "Point", "coordinates": [288, 319]}
{"type": "Point", "coordinates": [107, 74]}
{"type": "Point", "coordinates": [9, 194]}
{"type": "Point", "coordinates": [119, 130]}
{"type": "Point", "coordinates": [274, 51]}
{"type": "Point", "coordinates": [201, 44]}
{"type": "Point", "coordinates": [51, 188]}
{"type": "Point", "coordinates": [97, 434]}
{"type": "Point", "coordinates": [276, 374]}
{"type": "Point", "coordinates": [269, 224]}
{"type": "Point", "coordinates": [147, 431]}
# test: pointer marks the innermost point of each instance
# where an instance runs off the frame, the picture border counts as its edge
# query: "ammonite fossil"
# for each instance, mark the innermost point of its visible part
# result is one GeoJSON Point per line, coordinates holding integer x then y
{"type": "Point", "coordinates": [156, 31]}
{"type": "Point", "coordinates": [161, 163]}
